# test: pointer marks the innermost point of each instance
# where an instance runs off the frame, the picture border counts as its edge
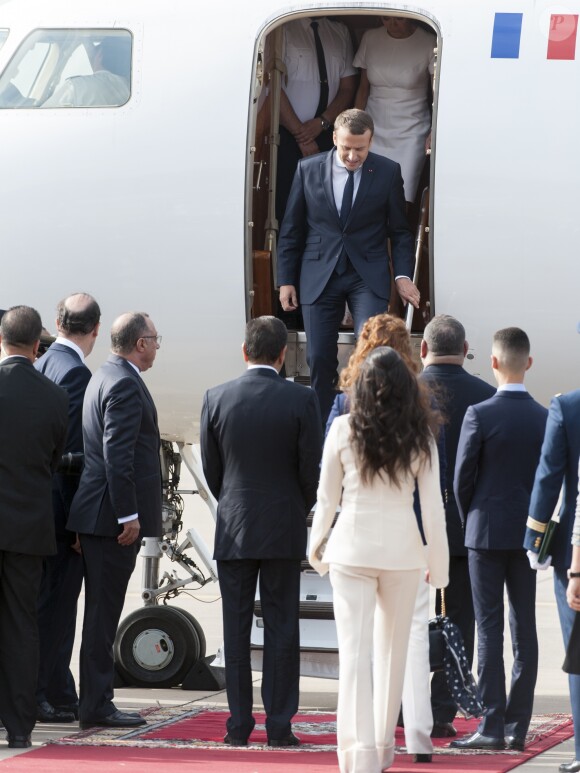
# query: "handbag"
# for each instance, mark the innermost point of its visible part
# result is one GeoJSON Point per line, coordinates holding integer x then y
{"type": "Point", "coordinates": [437, 640]}
{"type": "Point", "coordinates": [447, 653]}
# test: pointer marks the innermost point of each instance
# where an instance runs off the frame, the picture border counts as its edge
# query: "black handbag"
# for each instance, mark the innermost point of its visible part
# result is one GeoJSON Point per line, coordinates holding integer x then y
{"type": "Point", "coordinates": [437, 639]}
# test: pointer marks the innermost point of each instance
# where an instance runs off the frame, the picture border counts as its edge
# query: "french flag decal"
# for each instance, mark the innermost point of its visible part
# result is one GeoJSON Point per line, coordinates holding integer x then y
{"type": "Point", "coordinates": [562, 36]}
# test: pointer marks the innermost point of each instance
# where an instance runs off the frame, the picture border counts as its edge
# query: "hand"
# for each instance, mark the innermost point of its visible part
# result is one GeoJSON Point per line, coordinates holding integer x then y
{"type": "Point", "coordinates": [76, 545]}
{"type": "Point", "coordinates": [427, 576]}
{"type": "Point", "coordinates": [573, 593]}
{"type": "Point", "coordinates": [288, 298]}
{"type": "Point", "coordinates": [535, 564]}
{"type": "Point", "coordinates": [309, 131]}
{"type": "Point", "coordinates": [308, 148]}
{"type": "Point", "coordinates": [130, 532]}
{"type": "Point", "coordinates": [408, 292]}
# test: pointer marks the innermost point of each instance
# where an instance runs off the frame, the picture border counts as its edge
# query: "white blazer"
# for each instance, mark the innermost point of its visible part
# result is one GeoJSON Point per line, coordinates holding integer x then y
{"type": "Point", "coordinates": [377, 526]}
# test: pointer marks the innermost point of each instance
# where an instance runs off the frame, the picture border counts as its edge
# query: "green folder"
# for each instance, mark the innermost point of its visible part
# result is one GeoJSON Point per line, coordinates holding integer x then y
{"type": "Point", "coordinates": [544, 550]}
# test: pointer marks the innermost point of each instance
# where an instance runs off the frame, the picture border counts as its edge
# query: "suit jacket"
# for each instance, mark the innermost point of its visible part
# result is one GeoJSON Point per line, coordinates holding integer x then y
{"type": "Point", "coordinates": [64, 367]}
{"type": "Point", "coordinates": [454, 391]}
{"type": "Point", "coordinates": [312, 237]}
{"type": "Point", "coordinates": [122, 474]}
{"type": "Point", "coordinates": [558, 464]}
{"type": "Point", "coordinates": [33, 425]}
{"type": "Point", "coordinates": [261, 441]}
{"type": "Point", "coordinates": [376, 526]}
{"type": "Point", "coordinates": [498, 452]}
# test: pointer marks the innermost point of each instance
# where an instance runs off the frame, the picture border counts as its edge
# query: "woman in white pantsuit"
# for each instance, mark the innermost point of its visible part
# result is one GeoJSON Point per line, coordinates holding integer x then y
{"type": "Point", "coordinates": [371, 461]}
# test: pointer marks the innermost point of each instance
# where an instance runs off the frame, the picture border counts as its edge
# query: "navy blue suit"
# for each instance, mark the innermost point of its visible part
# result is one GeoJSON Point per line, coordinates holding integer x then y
{"type": "Point", "coordinates": [559, 465]}
{"type": "Point", "coordinates": [261, 442]}
{"type": "Point", "coordinates": [498, 452]}
{"type": "Point", "coordinates": [121, 477]}
{"type": "Point", "coordinates": [62, 573]}
{"type": "Point", "coordinates": [312, 240]}
{"type": "Point", "coordinates": [455, 390]}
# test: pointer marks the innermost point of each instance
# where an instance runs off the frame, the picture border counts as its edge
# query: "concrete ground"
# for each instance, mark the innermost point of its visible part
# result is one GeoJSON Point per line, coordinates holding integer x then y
{"type": "Point", "coordinates": [551, 689]}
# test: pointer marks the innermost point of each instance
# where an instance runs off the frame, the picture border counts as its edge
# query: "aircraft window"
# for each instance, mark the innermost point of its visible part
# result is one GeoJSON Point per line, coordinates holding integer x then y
{"type": "Point", "coordinates": [69, 68]}
{"type": "Point", "coordinates": [3, 36]}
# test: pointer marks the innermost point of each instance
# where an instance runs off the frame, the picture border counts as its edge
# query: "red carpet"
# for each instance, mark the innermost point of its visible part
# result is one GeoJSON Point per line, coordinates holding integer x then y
{"type": "Point", "coordinates": [190, 738]}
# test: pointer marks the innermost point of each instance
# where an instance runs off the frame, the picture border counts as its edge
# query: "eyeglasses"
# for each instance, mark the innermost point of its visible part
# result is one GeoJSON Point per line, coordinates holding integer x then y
{"type": "Point", "coordinates": [158, 339]}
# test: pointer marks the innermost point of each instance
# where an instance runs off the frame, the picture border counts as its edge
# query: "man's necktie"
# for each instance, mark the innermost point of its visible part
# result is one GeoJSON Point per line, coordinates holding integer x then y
{"type": "Point", "coordinates": [323, 75]}
{"type": "Point", "coordinates": [345, 208]}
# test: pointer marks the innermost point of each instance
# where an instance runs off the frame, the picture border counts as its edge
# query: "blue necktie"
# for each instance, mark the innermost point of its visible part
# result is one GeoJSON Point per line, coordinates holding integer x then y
{"type": "Point", "coordinates": [345, 208]}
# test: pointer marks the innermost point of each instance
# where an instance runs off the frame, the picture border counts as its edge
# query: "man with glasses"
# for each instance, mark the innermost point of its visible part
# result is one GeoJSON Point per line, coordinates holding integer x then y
{"type": "Point", "coordinates": [117, 503]}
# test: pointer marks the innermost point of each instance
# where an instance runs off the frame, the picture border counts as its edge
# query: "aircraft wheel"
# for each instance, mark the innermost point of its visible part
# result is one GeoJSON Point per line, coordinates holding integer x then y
{"type": "Point", "coordinates": [156, 647]}
{"type": "Point", "coordinates": [198, 629]}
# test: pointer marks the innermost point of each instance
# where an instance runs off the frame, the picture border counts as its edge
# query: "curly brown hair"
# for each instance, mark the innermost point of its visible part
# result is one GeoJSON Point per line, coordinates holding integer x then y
{"type": "Point", "coordinates": [382, 330]}
{"type": "Point", "coordinates": [391, 420]}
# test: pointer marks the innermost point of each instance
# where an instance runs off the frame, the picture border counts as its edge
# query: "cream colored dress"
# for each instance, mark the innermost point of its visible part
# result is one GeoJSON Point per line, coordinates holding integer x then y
{"type": "Point", "coordinates": [399, 70]}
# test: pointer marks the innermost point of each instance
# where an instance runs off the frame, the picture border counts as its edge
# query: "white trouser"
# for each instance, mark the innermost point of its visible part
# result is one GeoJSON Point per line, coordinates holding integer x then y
{"type": "Point", "coordinates": [373, 609]}
{"type": "Point", "coordinates": [417, 713]}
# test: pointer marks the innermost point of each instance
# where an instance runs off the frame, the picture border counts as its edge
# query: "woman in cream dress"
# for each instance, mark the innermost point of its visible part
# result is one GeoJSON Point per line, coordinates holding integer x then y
{"type": "Point", "coordinates": [396, 62]}
{"type": "Point", "coordinates": [372, 459]}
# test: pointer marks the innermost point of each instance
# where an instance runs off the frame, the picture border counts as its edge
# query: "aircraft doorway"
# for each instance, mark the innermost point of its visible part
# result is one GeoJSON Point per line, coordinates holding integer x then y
{"type": "Point", "coordinates": [279, 62]}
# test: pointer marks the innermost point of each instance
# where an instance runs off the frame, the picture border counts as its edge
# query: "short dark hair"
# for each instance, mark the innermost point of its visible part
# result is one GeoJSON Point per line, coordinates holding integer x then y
{"type": "Point", "coordinates": [444, 336]}
{"type": "Point", "coordinates": [514, 347]}
{"type": "Point", "coordinates": [355, 121]}
{"type": "Point", "coordinates": [264, 340]}
{"type": "Point", "coordinates": [21, 326]}
{"type": "Point", "coordinates": [80, 321]}
{"type": "Point", "coordinates": [124, 336]}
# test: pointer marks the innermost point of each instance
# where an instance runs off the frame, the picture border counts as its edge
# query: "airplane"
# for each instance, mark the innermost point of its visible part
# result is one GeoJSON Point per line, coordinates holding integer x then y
{"type": "Point", "coordinates": [161, 199]}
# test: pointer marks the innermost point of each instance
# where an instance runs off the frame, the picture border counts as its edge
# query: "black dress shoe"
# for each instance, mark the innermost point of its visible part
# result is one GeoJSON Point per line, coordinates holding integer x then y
{"type": "Point", "coordinates": [71, 708]}
{"type": "Point", "coordinates": [116, 719]}
{"type": "Point", "coordinates": [19, 742]}
{"type": "Point", "coordinates": [515, 743]}
{"type": "Point", "coordinates": [423, 758]}
{"type": "Point", "coordinates": [47, 713]}
{"type": "Point", "coordinates": [443, 730]}
{"type": "Point", "coordinates": [231, 741]}
{"type": "Point", "coordinates": [289, 740]}
{"type": "Point", "coordinates": [478, 741]}
{"type": "Point", "coordinates": [570, 767]}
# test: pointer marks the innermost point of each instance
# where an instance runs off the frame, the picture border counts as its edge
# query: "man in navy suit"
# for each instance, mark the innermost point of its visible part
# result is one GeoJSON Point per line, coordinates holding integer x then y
{"type": "Point", "coordinates": [344, 207]}
{"type": "Point", "coordinates": [443, 351]}
{"type": "Point", "coordinates": [261, 440]}
{"type": "Point", "coordinates": [498, 452]}
{"type": "Point", "coordinates": [33, 426]}
{"type": "Point", "coordinates": [78, 320]}
{"type": "Point", "coordinates": [559, 466]}
{"type": "Point", "coordinates": [118, 501]}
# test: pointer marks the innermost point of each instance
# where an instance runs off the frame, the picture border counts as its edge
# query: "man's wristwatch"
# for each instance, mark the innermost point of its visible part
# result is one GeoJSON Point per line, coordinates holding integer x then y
{"type": "Point", "coordinates": [572, 574]}
{"type": "Point", "coordinates": [326, 125]}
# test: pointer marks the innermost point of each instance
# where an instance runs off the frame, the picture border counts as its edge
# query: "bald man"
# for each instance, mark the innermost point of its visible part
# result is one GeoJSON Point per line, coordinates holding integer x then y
{"type": "Point", "coordinates": [117, 503]}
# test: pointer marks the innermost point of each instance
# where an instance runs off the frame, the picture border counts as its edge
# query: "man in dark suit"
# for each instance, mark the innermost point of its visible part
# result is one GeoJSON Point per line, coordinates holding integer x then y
{"type": "Point", "coordinates": [118, 502]}
{"type": "Point", "coordinates": [33, 424]}
{"type": "Point", "coordinates": [260, 444]}
{"type": "Point", "coordinates": [498, 452]}
{"type": "Point", "coordinates": [443, 351]}
{"type": "Point", "coordinates": [344, 207]}
{"type": "Point", "coordinates": [64, 363]}
{"type": "Point", "coordinates": [559, 465]}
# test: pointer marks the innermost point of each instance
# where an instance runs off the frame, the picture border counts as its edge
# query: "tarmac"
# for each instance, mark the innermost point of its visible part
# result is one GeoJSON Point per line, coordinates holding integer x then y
{"type": "Point", "coordinates": [551, 693]}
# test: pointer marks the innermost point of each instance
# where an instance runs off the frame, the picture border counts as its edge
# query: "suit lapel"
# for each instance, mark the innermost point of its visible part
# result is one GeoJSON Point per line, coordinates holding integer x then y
{"type": "Point", "coordinates": [130, 369]}
{"type": "Point", "coordinates": [326, 180]}
{"type": "Point", "coordinates": [366, 180]}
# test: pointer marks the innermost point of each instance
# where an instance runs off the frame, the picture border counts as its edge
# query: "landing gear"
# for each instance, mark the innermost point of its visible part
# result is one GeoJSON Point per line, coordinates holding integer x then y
{"type": "Point", "coordinates": [157, 646]}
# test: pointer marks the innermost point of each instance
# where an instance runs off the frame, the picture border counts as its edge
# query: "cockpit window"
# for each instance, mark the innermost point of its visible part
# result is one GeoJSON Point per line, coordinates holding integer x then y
{"type": "Point", "coordinates": [3, 36]}
{"type": "Point", "coordinates": [69, 68]}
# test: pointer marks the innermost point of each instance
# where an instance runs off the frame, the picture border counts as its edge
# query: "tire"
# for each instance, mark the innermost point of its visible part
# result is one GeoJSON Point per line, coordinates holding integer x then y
{"type": "Point", "coordinates": [198, 629]}
{"type": "Point", "coordinates": [156, 647]}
